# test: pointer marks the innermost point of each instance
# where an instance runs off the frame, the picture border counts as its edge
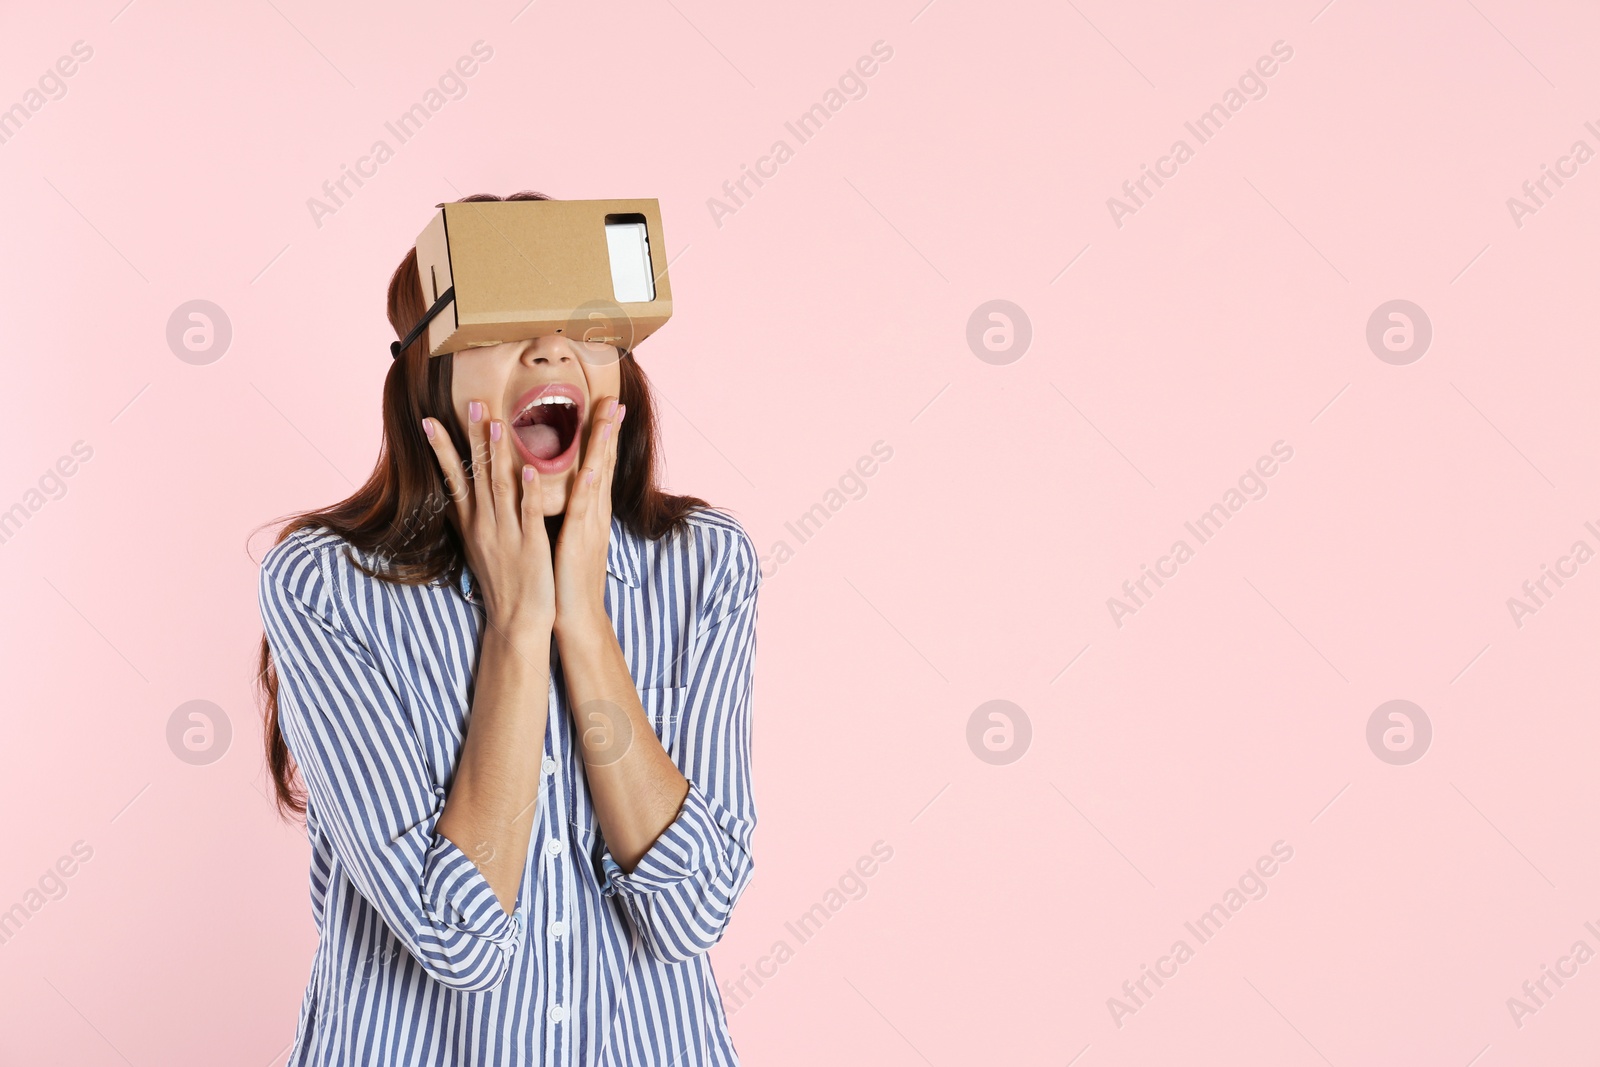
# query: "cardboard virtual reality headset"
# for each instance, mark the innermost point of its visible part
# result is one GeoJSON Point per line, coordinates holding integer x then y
{"type": "Point", "coordinates": [508, 270]}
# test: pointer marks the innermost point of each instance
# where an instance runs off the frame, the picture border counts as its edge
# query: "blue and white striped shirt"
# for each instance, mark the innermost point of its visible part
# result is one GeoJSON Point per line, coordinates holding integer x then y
{"type": "Point", "coordinates": [418, 964]}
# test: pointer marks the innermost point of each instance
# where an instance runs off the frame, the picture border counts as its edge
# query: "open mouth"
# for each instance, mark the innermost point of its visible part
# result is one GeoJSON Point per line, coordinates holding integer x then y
{"type": "Point", "coordinates": [546, 427]}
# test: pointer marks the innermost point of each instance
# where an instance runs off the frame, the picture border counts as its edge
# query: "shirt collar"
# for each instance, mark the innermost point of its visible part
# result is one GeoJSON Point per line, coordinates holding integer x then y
{"type": "Point", "coordinates": [622, 559]}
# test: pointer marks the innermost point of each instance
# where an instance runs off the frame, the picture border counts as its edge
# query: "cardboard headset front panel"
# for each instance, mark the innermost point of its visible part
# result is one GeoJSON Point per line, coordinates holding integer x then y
{"type": "Point", "coordinates": [593, 270]}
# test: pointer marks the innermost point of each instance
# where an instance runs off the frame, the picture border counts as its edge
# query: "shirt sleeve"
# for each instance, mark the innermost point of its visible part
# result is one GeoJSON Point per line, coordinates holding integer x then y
{"type": "Point", "coordinates": [681, 894]}
{"type": "Point", "coordinates": [368, 782]}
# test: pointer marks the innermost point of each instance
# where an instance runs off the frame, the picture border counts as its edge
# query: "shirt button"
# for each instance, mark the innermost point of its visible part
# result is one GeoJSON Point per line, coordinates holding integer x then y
{"type": "Point", "coordinates": [554, 848]}
{"type": "Point", "coordinates": [549, 766]}
{"type": "Point", "coordinates": [557, 1013]}
{"type": "Point", "coordinates": [558, 928]}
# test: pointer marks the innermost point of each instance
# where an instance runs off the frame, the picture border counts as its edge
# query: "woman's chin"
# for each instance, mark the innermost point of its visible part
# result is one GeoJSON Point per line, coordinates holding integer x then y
{"type": "Point", "coordinates": [555, 495]}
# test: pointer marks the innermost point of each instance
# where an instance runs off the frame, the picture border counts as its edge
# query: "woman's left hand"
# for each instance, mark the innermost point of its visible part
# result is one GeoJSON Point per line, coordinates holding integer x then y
{"type": "Point", "coordinates": [580, 554]}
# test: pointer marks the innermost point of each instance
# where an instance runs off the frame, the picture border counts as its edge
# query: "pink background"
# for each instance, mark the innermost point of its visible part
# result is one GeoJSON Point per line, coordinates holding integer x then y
{"type": "Point", "coordinates": [829, 312]}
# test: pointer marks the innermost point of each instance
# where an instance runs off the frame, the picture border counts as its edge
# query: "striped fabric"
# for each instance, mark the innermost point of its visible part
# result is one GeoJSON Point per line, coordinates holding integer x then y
{"type": "Point", "coordinates": [417, 962]}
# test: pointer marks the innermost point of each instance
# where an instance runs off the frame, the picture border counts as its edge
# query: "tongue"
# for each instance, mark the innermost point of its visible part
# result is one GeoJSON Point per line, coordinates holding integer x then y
{"type": "Point", "coordinates": [542, 440]}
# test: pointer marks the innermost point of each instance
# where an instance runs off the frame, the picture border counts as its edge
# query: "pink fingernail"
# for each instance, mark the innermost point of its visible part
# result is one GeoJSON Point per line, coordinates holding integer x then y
{"type": "Point", "coordinates": [612, 407]}
{"type": "Point", "coordinates": [623, 413]}
{"type": "Point", "coordinates": [588, 478]}
{"type": "Point", "coordinates": [528, 472]}
{"type": "Point", "coordinates": [494, 430]}
{"type": "Point", "coordinates": [475, 411]}
{"type": "Point", "coordinates": [427, 428]}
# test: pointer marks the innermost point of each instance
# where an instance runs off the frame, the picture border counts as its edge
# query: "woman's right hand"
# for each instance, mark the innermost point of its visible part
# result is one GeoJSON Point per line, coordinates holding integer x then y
{"type": "Point", "coordinates": [500, 515]}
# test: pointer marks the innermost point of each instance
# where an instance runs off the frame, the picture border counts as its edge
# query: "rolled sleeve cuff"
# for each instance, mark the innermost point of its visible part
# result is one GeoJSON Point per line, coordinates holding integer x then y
{"type": "Point", "coordinates": [458, 896]}
{"type": "Point", "coordinates": [683, 850]}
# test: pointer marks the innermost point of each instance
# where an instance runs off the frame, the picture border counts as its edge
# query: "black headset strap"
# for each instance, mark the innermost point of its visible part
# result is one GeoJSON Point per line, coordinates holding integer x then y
{"type": "Point", "coordinates": [416, 331]}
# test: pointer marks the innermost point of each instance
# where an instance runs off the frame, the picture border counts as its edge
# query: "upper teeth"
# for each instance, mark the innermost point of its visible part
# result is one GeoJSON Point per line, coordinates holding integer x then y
{"type": "Point", "coordinates": [554, 398]}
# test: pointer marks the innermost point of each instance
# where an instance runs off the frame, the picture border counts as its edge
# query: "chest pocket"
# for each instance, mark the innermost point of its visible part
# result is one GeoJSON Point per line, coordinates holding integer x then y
{"type": "Point", "coordinates": [663, 707]}
{"type": "Point", "coordinates": [663, 710]}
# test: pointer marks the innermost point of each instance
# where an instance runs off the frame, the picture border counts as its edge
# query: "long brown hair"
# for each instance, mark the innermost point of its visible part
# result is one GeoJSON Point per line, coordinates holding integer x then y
{"type": "Point", "coordinates": [399, 514]}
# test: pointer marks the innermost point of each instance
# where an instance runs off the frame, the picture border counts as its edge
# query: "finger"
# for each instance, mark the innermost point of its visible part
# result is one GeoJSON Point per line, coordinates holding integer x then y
{"type": "Point", "coordinates": [578, 494]}
{"type": "Point", "coordinates": [601, 434]}
{"type": "Point", "coordinates": [455, 478]}
{"type": "Point", "coordinates": [534, 535]}
{"type": "Point", "coordinates": [502, 489]}
{"type": "Point", "coordinates": [609, 470]}
{"type": "Point", "coordinates": [478, 440]}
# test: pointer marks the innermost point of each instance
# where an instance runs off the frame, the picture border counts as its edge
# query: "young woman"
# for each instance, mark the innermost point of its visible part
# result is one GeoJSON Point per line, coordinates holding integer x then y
{"type": "Point", "coordinates": [514, 678]}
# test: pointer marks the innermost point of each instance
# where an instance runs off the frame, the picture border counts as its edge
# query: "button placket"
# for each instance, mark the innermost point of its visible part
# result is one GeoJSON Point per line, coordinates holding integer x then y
{"type": "Point", "coordinates": [561, 852]}
{"type": "Point", "coordinates": [558, 816]}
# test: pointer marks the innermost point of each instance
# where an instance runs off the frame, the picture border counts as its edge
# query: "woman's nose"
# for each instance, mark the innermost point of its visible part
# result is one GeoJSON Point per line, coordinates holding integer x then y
{"type": "Point", "coordinates": [548, 349]}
